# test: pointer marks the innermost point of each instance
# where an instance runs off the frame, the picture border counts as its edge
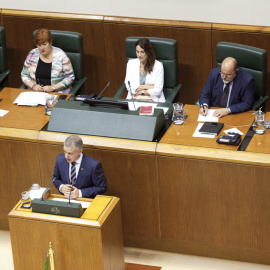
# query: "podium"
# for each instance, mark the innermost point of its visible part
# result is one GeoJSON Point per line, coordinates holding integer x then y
{"type": "Point", "coordinates": [93, 242]}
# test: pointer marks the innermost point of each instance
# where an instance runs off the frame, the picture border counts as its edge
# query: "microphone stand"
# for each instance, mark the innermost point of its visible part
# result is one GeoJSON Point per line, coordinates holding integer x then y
{"type": "Point", "coordinates": [46, 190]}
{"type": "Point", "coordinates": [99, 96]}
{"type": "Point", "coordinates": [131, 95]}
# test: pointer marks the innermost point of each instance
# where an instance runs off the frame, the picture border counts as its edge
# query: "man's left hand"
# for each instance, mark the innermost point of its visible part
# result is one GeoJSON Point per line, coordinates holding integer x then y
{"type": "Point", "coordinates": [221, 112]}
{"type": "Point", "coordinates": [73, 195]}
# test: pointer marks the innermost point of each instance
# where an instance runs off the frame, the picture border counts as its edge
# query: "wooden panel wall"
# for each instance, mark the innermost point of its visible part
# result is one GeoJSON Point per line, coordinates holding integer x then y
{"type": "Point", "coordinates": [104, 45]}
{"type": "Point", "coordinates": [17, 173]}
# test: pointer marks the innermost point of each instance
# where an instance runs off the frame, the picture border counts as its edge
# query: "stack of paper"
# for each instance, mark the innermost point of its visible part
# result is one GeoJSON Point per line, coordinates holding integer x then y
{"type": "Point", "coordinates": [31, 99]}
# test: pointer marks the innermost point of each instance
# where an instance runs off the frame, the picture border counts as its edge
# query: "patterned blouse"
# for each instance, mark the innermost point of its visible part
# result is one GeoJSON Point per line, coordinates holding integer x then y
{"type": "Point", "coordinates": [62, 71]}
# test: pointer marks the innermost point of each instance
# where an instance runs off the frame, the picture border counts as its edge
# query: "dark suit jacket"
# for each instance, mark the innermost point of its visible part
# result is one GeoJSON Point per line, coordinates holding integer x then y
{"type": "Point", "coordinates": [242, 94]}
{"type": "Point", "coordinates": [90, 179]}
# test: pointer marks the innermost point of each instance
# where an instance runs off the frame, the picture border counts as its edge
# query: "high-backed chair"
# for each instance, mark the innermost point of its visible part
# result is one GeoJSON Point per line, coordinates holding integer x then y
{"type": "Point", "coordinates": [72, 44]}
{"type": "Point", "coordinates": [3, 60]}
{"type": "Point", "coordinates": [251, 59]}
{"type": "Point", "coordinates": [167, 53]}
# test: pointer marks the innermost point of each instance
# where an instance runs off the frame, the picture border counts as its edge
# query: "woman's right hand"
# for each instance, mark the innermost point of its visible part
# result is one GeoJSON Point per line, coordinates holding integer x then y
{"type": "Point", "coordinates": [38, 88]}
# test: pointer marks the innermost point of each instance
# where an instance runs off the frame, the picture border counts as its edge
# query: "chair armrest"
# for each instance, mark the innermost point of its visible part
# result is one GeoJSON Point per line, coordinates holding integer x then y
{"type": "Point", "coordinates": [173, 94]}
{"type": "Point", "coordinates": [76, 86]}
{"type": "Point", "coordinates": [120, 91]}
{"type": "Point", "coordinates": [4, 75]}
{"type": "Point", "coordinates": [259, 103]}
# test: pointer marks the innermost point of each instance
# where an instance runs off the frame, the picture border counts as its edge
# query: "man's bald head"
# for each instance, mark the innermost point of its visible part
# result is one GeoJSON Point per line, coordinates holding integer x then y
{"type": "Point", "coordinates": [229, 68]}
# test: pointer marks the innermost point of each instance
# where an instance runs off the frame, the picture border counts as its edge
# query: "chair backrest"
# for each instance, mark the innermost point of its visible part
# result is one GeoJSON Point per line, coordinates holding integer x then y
{"type": "Point", "coordinates": [251, 59]}
{"type": "Point", "coordinates": [3, 50]}
{"type": "Point", "coordinates": [166, 52]}
{"type": "Point", "coordinates": [72, 44]}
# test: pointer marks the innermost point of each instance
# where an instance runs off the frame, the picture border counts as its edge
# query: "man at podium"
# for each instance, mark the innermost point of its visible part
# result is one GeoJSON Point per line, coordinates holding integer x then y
{"type": "Point", "coordinates": [76, 174]}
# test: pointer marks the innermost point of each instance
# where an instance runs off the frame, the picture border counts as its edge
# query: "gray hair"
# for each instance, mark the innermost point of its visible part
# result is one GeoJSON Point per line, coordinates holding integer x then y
{"type": "Point", "coordinates": [74, 139]}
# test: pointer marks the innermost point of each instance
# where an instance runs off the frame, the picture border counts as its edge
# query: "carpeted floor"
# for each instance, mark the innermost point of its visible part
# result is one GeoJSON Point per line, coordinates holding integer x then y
{"type": "Point", "coordinates": [132, 266]}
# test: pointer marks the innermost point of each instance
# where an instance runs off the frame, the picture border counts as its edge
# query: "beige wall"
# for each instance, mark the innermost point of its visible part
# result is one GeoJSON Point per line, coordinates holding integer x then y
{"type": "Point", "coordinates": [248, 12]}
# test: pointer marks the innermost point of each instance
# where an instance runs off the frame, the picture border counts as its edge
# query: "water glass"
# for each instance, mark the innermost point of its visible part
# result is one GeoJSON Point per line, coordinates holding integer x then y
{"type": "Point", "coordinates": [50, 102]}
{"type": "Point", "coordinates": [179, 113]}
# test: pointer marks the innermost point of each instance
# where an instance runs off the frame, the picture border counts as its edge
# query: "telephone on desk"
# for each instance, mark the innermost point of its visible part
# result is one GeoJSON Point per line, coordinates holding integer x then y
{"type": "Point", "coordinates": [232, 139]}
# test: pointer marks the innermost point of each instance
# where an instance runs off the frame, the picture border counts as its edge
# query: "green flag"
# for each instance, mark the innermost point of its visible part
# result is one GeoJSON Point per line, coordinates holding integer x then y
{"type": "Point", "coordinates": [46, 265]}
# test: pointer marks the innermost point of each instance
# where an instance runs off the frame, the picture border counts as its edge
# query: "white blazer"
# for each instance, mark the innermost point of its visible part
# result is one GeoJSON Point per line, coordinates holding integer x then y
{"type": "Point", "coordinates": [156, 77]}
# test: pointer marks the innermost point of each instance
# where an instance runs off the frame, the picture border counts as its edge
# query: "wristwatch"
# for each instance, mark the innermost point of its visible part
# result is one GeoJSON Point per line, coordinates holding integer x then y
{"type": "Point", "coordinates": [142, 92]}
{"type": "Point", "coordinates": [53, 87]}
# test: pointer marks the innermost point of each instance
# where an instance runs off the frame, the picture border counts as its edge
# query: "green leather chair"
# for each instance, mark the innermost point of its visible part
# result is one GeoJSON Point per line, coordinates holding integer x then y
{"type": "Point", "coordinates": [3, 60]}
{"type": "Point", "coordinates": [167, 53]}
{"type": "Point", "coordinates": [251, 59]}
{"type": "Point", "coordinates": [72, 44]}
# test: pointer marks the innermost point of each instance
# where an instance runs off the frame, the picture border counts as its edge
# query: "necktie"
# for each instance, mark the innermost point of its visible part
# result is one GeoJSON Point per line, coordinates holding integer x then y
{"type": "Point", "coordinates": [73, 174]}
{"type": "Point", "coordinates": [224, 98]}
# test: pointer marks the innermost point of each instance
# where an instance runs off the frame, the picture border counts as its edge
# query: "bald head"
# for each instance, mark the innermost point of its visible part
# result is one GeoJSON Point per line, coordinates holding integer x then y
{"type": "Point", "coordinates": [229, 67]}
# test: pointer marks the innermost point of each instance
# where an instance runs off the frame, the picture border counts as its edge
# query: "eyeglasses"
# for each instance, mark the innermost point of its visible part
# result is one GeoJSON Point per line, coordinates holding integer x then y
{"type": "Point", "coordinates": [225, 74]}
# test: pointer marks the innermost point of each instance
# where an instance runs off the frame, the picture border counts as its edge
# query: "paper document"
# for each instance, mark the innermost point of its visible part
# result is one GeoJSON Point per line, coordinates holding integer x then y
{"type": "Point", "coordinates": [31, 99]}
{"type": "Point", "coordinates": [36, 193]}
{"type": "Point", "coordinates": [84, 204]}
{"type": "Point", "coordinates": [3, 112]}
{"type": "Point", "coordinates": [209, 117]}
{"type": "Point", "coordinates": [234, 130]}
{"type": "Point", "coordinates": [202, 135]}
{"type": "Point", "coordinates": [137, 105]}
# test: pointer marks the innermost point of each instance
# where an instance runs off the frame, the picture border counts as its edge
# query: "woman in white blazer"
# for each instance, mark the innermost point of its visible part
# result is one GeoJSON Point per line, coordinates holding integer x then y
{"type": "Point", "coordinates": [145, 75]}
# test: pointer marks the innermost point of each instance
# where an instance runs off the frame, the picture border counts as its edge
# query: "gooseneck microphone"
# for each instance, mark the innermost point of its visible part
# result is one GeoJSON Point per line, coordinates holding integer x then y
{"type": "Point", "coordinates": [131, 95]}
{"type": "Point", "coordinates": [46, 190]}
{"type": "Point", "coordinates": [69, 203]}
{"type": "Point", "coordinates": [99, 96]}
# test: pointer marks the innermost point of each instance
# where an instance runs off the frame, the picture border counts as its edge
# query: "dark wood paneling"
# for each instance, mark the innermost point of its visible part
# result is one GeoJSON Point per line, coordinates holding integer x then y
{"type": "Point", "coordinates": [19, 42]}
{"type": "Point", "coordinates": [19, 168]}
{"type": "Point", "coordinates": [214, 203]}
{"type": "Point", "coordinates": [260, 40]}
{"type": "Point", "coordinates": [194, 55]}
{"type": "Point", "coordinates": [132, 177]}
{"type": "Point", "coordinates": [47, 156]}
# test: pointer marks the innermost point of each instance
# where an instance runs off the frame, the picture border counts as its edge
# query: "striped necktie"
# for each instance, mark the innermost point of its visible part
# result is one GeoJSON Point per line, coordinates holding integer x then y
{"type": "Point", "coordinates": [73, 174]}
{"type": "Point", "coordinates": [224, 98]}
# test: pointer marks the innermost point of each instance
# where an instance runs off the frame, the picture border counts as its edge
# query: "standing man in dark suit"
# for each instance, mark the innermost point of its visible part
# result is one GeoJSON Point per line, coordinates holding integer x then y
{"type": "Point", "coordinates": [78, 175]}
{"type": "Point", "coordinates": [230, 88]}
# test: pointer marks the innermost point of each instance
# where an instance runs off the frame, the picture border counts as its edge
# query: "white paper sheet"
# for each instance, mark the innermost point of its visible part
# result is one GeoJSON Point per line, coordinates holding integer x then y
{"type": "Point", "coordinates": [31, 99]}
{"type": "Point", "coordinates": [84, 204]}
{"type": "Point", "coordinates": [201, 135]}
{"type": "Point", "coordinates": [234, 130]}
{"type": "Point", "coordinates": [3, 112]}
{"type": "Point", "coordinates": [209, 117]}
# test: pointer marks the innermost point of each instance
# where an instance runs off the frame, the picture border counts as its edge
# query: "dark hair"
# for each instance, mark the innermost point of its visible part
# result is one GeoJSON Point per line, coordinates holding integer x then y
{"type": "Point", "coordinates": [42, 35]}
{"type": "Point", "coordinates": [76, 140]}
{"type": "Point", "coordinates": [146, 45]}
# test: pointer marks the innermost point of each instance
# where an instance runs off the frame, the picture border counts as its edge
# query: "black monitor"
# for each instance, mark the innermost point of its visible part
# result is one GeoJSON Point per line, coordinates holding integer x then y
{"type": "Point", "coordinates": [110, 104]}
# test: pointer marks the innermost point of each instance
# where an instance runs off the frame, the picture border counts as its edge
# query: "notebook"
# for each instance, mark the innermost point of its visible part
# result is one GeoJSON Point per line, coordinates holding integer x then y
{"type": "Point", "coordinates": [211, 128]}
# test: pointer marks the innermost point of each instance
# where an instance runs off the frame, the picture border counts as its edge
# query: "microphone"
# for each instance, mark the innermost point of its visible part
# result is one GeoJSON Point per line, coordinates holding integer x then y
{"type": "Point", "coordinates": [131, 95]}
{"type": "Point", "coordinates": [46, 190]}
{"type": "Point", "coordinates": [69, 203]}
{"type": "Point", "coordinates": [99, 96]}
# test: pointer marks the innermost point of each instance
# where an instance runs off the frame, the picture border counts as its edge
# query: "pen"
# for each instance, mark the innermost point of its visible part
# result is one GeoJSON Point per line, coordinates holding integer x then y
{"type": "Point", "coordinates": [203, 108]}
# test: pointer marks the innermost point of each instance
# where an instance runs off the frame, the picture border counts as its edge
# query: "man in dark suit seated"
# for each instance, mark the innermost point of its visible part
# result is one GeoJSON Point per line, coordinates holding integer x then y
{"type": "Point", "coordinates": [78, 175]}
{"type": "Point", "coordinates": [230, 88]}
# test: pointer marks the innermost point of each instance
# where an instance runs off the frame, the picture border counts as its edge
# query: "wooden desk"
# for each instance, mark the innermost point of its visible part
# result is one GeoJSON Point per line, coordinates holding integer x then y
{"type": "Point", "coordinates": [93, 241]}
{"type": "Point", "coordinates": [182, 134]}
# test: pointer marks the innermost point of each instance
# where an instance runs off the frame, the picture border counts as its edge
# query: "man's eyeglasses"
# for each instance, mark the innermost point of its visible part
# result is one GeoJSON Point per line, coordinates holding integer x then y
{"type": "Point", "coordinates": [225, 74]}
